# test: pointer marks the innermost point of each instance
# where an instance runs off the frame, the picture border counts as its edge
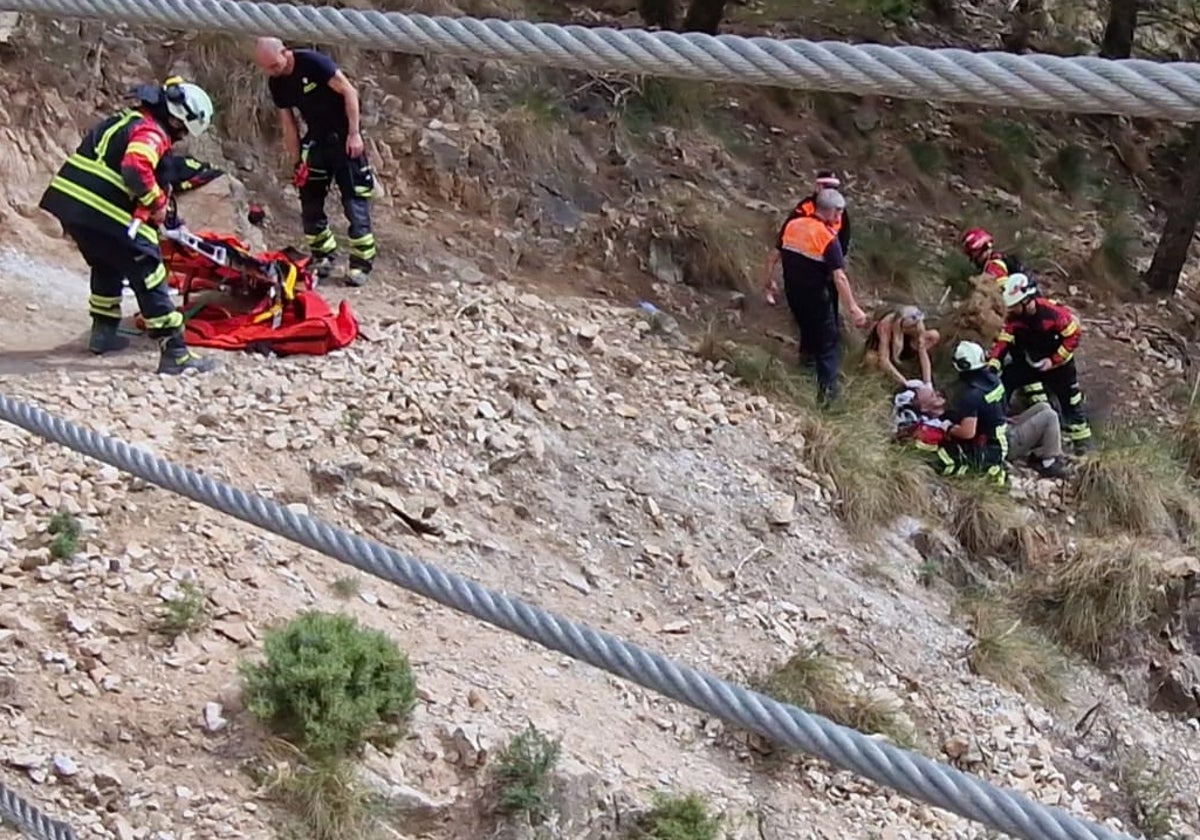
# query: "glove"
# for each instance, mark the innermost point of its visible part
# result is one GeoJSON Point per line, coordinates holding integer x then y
{"type": "Point", "coordinates": [300, 175]}
{"type": "Point", "coordinates": [1044, 365]}
{"type": "Point", "coordinates": [994, 364]}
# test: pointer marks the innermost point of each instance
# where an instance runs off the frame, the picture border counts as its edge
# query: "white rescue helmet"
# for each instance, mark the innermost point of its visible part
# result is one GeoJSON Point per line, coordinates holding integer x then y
{"type": "Point", "coordinates": [189, 104]}
{"type": "Point", "coordinates": [1018, 288]}
{"type": "Point", "coordinates": [969, 356]}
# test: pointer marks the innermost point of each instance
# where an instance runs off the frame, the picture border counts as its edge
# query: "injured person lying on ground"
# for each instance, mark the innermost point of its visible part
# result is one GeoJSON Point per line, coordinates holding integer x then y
{"type": "Point", "coordinates": [919, 417]}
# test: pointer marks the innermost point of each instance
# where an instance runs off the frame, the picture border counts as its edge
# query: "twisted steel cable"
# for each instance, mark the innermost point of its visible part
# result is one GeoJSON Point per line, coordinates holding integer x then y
{"type": "Point", "coordinates": [1083, 84]}
{"type": "Point", "coordinates": [29, 820]}
{"type": "Point", "coordinates": [910, 773]}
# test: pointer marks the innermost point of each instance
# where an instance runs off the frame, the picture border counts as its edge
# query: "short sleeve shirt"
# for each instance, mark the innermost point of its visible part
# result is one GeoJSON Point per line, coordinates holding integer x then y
{"type": "Point", "coordinates": [307, 89]}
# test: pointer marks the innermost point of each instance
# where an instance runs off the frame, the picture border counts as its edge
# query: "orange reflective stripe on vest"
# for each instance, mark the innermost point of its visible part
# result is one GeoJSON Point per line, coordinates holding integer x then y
{"type": "Point", "coordinates": [808, 236]}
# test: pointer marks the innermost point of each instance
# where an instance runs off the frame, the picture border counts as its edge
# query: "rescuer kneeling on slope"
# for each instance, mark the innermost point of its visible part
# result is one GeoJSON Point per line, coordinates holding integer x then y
{"type": "Point", "coordinates": [108, 199]}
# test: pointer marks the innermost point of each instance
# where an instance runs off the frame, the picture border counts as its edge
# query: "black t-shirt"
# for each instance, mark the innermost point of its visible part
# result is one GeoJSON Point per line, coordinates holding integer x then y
{"type": "Point", "coordinates": [307, 88]}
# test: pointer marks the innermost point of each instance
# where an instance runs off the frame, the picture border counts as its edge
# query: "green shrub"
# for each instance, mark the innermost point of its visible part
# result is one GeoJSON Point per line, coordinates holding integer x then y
{"type": "Point", "coordinates": [66, 531]}
{"type": "Point", "coordinates": [523, 771]}
{"type": "Point", "coordinates": [678, 818]}
{"type": "Point", "coordinates": [329, 685]}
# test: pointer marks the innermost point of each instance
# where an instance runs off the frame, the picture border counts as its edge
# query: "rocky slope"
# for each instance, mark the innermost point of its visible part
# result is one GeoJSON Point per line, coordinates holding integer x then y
{"type": "Point", "coordinates": [557, 447]}
{"type": "Point", "coordinates": [563, 452]}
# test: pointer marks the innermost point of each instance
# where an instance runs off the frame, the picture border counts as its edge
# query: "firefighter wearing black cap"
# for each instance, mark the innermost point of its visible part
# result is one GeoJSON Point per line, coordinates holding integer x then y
{"type": "Point", "coordinates": [109, 201]}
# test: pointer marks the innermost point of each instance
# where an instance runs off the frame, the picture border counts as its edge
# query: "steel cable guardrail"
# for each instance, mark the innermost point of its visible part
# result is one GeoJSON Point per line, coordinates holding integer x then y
{"type": "Point", "coordinates": [1082, 84]}
{"type": "Point", "coordinates": [29, 820]}
{"type": "Point", "coordinates": [912, 774]}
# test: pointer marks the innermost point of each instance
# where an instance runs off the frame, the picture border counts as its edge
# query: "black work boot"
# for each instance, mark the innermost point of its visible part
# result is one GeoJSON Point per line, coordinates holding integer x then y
{"type": "Point", "coordinates": [106, 336]}
{"type": "Point", "coordinates": [358, 275]}
{"type": "Point", "coordinates": [1054, 469]}
{"type": "Point", "coordinates": [177, 358]}
{"type": "Point", "coordinates": [1082, 447]}
{"type": "Point", "coordinates": [322, 265]}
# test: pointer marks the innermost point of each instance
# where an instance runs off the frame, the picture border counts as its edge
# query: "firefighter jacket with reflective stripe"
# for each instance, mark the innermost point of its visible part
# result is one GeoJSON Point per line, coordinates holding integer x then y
{"type": "Point", "coordinates": [808, 207]}
{"type": "Point", "coordinates": [983, 398]}
{"type": "Point", "coordinates": [111, 174]}
{"type": "Point", "coordinates": [999, 266]}
{"type": "Point", "coordinates": [1051, 332]}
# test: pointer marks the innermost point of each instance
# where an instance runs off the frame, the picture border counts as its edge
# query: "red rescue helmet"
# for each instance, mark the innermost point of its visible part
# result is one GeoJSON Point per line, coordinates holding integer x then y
{"type": "Point", "coordinates": [976, 241]}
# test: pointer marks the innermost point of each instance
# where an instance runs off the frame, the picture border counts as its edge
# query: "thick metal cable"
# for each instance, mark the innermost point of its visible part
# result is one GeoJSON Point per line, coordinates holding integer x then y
{"type": "Point", "coordinates": [27, 819]}
{"type": "Point", "coordinates": [1083, 84]}
{"type": "Point", "coordinates": [912, 774]}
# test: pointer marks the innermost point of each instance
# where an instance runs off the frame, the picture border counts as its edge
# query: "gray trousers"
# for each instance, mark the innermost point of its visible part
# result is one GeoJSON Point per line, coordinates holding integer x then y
{"type": "Point", "coordinates": [1035, 431]}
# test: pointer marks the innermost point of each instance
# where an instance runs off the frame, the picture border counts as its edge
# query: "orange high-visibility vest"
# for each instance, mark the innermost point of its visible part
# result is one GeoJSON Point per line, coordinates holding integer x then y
{"type": "Point", "coordinates": [807, 236]}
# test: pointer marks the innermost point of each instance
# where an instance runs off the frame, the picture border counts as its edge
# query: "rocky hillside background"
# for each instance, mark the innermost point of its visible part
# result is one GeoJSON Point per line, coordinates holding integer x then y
{"type": "Point", "coordinates": [511, 415]}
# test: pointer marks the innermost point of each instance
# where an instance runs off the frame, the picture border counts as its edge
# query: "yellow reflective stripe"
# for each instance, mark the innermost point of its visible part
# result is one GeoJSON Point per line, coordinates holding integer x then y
{"type": "Point", "coordinates": [148, 152]}
{"type": "Point", "coordinates": [102, 147]}
{"type": "Point", "coordinates": [995, 395]}
{"type": "Point", "coordinates": [1070, 329]}
{"type": "Point", "coordinates": [156, 277]}
{"type": "Point", "coordinates": [1004, 336]}
{"type": "Point", "coordinates": [172, 320]}
{"type": "Point", "coordinates": [99, 170]}
{"type": "Point", "coordinates": [101, 206]}
{"type": "Point", "coordinates": [151, 197]}
{"type": "Point", "coordinates": [926, 447]}
{"type": "Point", "coordinates": [1064, 354]}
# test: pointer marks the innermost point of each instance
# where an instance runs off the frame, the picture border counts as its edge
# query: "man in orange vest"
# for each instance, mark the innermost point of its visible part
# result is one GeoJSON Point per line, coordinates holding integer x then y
{"type": "Point", "coordinates": [807, 206]}
{"type": "Point", "coordinates": [815, 282]}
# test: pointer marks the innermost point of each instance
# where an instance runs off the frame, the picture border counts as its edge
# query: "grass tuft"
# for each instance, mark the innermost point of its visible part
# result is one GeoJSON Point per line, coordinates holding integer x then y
{"type": "Point", "coordinates": [1069, 169]}
{"type": "Point", "coordinates": [1097, 596]}
{"type": "Point", "coordinates": [185, 613]}
{"type": "Point", "coordinates": [1135, 484]}
{"type": "Point", "coordinates": [324, 799]}
{"type": "Point", "coordinates": [893, 256]}
{"type": "Point", "coordinates": [66, 530]}
{"type": "Point", "coordinates": [988, 523]}
{"type": "Point", "coordinates": [1010, 652]}
{"type": "Point", "coordinates": [813, 679]}
{"type": "Point", "coordinates": [716, 255]}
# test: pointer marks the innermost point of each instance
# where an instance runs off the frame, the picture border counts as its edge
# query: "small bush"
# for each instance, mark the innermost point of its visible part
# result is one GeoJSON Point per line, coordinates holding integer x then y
{"type": "Point", "coordinates": [812, 679]}
{"type": "Point", "coordinates": [1010, 652]}
{"type": "Point", "coordinates": [655, 101]}
{"type": "Point", "coordinates": [926, 156]}
{"type": "Point", "coordinates": [186, 613]}
{"type": "Point", "coordinates": [1148, 791]}
{"type": "Point", "coordinates": [329, 685]}
{"type": "Point", "coordinates": [1013, 146]}
{"type": "Point", "coordinates": [1069, 169]}
{"type": "Point", "coordinates": [677, 818]}
{"type": "Point", "coordinates": [1097, 597]}
{"type": "Point", "coordinates": [892, 255]}
{"type": "Point", "coordinates": [523, 771]}
{"type": "Point", "coordinates": [958, 271]}
{"type": "Point", "coordinates": [66, 530]}
{"type": "Point", "coordinates": [347, 586]}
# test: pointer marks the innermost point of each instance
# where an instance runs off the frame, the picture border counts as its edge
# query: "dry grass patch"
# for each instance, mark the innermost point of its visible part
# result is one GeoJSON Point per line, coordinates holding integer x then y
{"type": "Point", "coordinates": [1098, 595]}
{"type": "Point", "coordinates": [325, 799]}
{"type": "Point", "coordinates": [813, 679]}
{"type": "Point", "coordinates": [1010, 652]}
{"type": "Point", "coordinates": [1135, 484]}
{"type": "Point", "coordinates": [713, 253]}
{"type": "Point", "coordinates": [988, 523]}
{"type": "Point", "coordinates": [224, 66]}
